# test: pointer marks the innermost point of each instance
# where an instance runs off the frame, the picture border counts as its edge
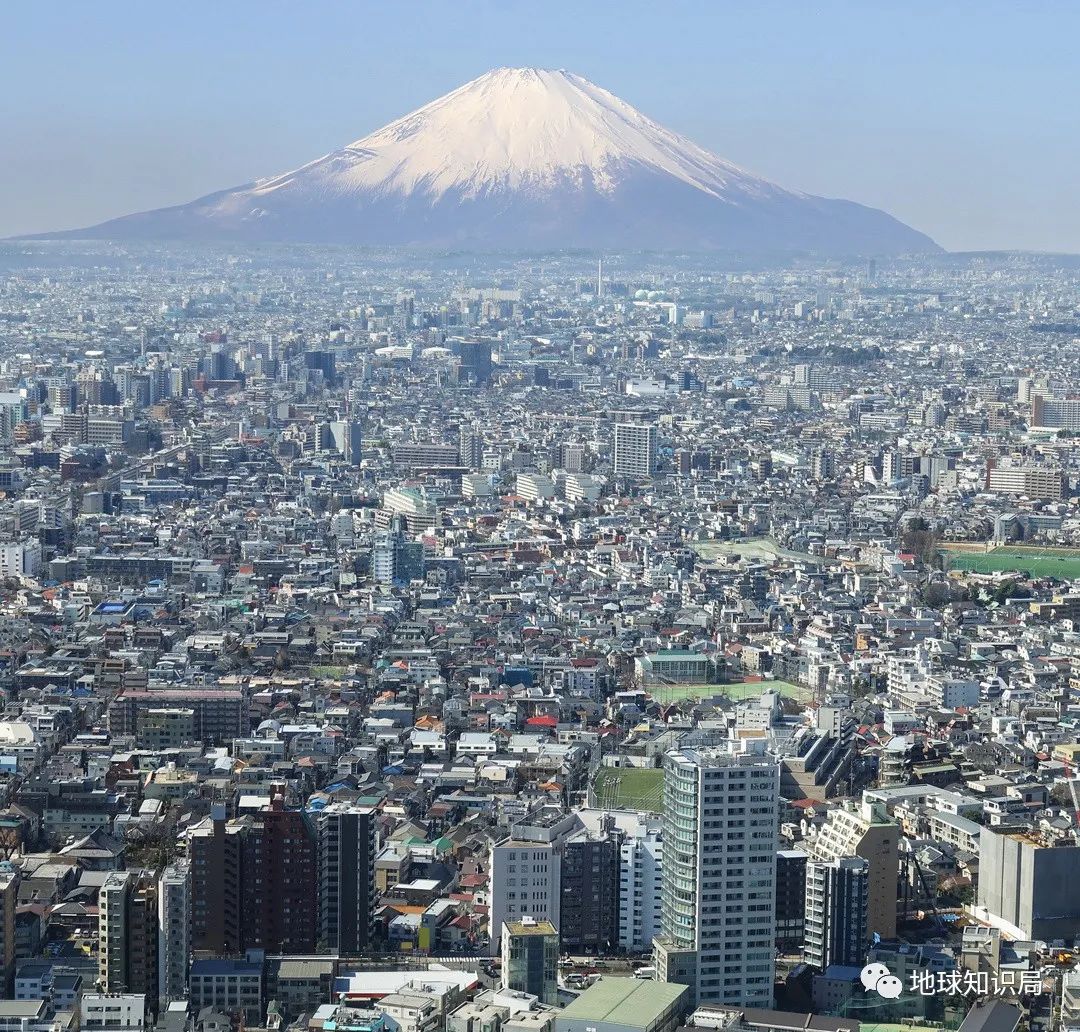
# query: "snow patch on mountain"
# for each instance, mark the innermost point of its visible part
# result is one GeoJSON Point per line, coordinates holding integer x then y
{"type": "Point", "coordinates": [520, 129]}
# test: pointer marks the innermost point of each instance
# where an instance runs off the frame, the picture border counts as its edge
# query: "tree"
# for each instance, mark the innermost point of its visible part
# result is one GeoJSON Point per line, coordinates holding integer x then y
{"type": "Point", "coordinates": [1005, 590]}
{"type": "Point", "coordinates": [1061, 795]}
{"type": "Point", "coordinates": [860, 686]}
{"type": "Point", "coordinates": [937, 594]}
{"type": "Point", "coordinates": [920, 541]}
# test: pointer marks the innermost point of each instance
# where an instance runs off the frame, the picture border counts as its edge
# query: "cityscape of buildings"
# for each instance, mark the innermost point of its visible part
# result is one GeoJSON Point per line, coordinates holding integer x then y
{"type": "Point", "coordinates": [519, 643]}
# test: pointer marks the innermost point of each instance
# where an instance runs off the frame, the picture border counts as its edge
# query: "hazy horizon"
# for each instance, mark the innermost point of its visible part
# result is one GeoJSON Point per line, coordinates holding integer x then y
{"type": "Point", "coordinates": [958, 123]}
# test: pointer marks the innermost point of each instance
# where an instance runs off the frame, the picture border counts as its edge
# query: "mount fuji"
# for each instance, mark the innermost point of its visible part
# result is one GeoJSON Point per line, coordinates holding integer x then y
{"type": "Point", "coordinates": [525, 158]}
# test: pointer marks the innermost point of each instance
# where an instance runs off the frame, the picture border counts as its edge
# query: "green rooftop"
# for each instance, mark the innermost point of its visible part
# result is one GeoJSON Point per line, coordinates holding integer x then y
{"type": "Point", "coordinates": [624, 1001]}
{"type": "Point", "coordinates": [629, 788]}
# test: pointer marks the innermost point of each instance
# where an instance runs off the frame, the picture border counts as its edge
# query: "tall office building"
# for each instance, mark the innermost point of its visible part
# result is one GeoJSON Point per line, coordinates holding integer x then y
{"type": "Point", "coordinates": [895, 465]}
{"type": "Point", "coordinates": [346, 877]}
{"type": "Point", "coordinates": [420, 455]}
{"type": "Point", "coordinates": [475, 365]}
{"type": "Point", "coordinates": [1027, 884]}
{"type": "Point", "coordinates": [689, 381]}
{"type": "Point", "coordinates": [160, 378]}
{"type": "Point", "coordinates": [128, 933]}
{"type": "Point", "coordinates": [95, 387]}
{"type": "Point", "coordinates": [325, 362]}
{"type": "Point", "coordinates": [836, 899]}
{"type": "Point", "coordinates": [718, 885]}
{"type": "Point", "coordinates": [417, 512]}
{"type": "Point", "coordinates": [255, 881]}
{"type": "Point", "coordinates": [1043, 482]}
{"type": "Point", "coordinates": [394, 558]}
{"type": "Point", "coordinates": [526, 871]}
{"type": "Point", "coordinates": [470, 448]}
{"type": "Point", "coordinates": [174, 933]}
{"type": "Point", "coordinates": [317, 438]}
{"type": "Point", "coordinates": [13, 412]}
{"type": "Point", "coordinates": [218, 365]}
{"type": "Point", "coordinates": [347, 437]}
{"type": "Point", "coordinates": [1054, 412]}
{"type": "Point", "coordinates": [571, 456]}
{"type": "Point", "coordinates": [822, 465]}
{"type": "Point", "coordinates": [635, 450]}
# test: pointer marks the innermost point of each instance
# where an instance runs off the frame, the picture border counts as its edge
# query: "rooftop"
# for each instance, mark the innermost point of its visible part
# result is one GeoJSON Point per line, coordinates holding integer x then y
{"type": "Point", "coordinates": [529, 927]}
{"type": "Point", "coordinates": [624, 1001]}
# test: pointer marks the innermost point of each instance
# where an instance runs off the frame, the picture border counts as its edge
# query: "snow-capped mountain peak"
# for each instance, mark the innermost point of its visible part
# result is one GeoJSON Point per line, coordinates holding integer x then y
{"type": "Point", "coordinates": [525, 158]}
{"type": "Point", "coordinates": [517, 129]}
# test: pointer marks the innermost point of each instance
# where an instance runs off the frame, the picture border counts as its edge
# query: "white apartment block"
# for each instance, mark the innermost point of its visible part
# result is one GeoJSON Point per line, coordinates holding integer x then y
{"type": "Point", "coordinates": [174, 944]}
{"type": "Point", "coordinates": [718, 898]}
{"type": "Point", "coordinates": [20, 558]}
{"type": "Point", "coordinates": [640, 866]}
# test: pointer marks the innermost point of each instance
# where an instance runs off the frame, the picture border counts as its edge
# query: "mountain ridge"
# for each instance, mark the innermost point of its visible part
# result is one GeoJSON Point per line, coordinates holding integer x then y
{"type": "Point", "coordinates": [523, 157]}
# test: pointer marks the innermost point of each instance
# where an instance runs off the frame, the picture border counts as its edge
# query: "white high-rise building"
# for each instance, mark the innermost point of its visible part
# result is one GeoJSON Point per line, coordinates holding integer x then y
{"type": "Point", "coordinates": [1048, 411]}
{"type": "Point", "coordinates": [718, 896]}
{"type": "Point", "coordinates": [534, 487]}
{"type": "Point", "coordinates": [470, 448]}
{"type": "Point", "coordinates": [418, 512]}
{"type": "Point", "coordinates": [640, 866]}
{"type": "Point", "coordinates": [635, 450]}
{"type": "Point", "coordinates": [174, 936]}
{"type": "Point", "coordinates": [20, 558]}
{"type": "Point", "coordinates": [526, 871]}
{"type": "Point", "coordinates": [112, 930]}
{"type": "Point", "coordinates": [475, 485]}
{"type": "Point", "coordinates": [1043, 482]}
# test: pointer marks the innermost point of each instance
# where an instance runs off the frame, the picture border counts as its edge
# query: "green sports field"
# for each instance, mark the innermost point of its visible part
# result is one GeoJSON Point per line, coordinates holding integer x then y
{"type": "Point", "coordinates": [629, 788]}
{"type": "Point", "coordinates": [1062, 563]}
{"type": "Point", "coordinates": [668, 693]}
{"type": "Point", "coordinates": [329, 672]}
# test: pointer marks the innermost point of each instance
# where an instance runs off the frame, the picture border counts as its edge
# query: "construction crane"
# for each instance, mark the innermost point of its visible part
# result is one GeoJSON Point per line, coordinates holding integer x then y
{"type": "Point", "coordinates": [930, 896]}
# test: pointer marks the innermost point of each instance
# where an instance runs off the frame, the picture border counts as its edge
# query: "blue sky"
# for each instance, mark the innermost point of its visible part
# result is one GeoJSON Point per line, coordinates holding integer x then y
{"type": "Point", "coordinates": [960, 118]}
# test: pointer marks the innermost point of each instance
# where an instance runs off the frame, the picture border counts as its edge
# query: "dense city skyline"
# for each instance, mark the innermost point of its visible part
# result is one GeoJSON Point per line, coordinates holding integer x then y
{"type": "Point", "coordinates": [583, 554]}
{"type": "Point", "coordinates": [406, 642]}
